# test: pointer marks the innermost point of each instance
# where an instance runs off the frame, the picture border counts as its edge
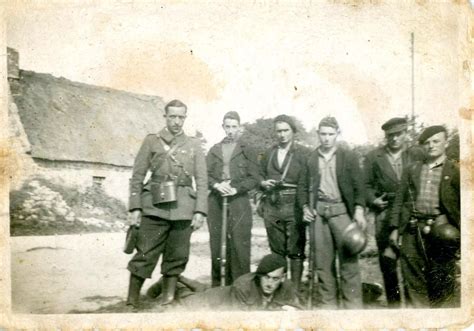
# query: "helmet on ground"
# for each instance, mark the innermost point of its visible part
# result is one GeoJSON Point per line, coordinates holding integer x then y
{"type": "Point", "coordinates": [354, 239]}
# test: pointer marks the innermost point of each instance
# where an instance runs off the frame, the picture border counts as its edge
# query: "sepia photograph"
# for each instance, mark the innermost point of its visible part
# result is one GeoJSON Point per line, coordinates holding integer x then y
{"type": "Point", "coordinates": [236, 165]}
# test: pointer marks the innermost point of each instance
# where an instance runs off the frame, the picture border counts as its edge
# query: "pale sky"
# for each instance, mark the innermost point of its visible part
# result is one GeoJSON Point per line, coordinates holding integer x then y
{"type": "Point", "coordinates": [307, 60]}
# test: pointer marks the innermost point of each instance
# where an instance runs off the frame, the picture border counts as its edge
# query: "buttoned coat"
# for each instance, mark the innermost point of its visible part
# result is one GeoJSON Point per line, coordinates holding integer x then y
{"type": "Point", "coordinates": [191, 168]}
{"type": "Point", "coordinates": [449, 195]}
{"type": "Point", "coordinates": [380, 177]}
{"type": "Point", "coordinates": [349, 179]}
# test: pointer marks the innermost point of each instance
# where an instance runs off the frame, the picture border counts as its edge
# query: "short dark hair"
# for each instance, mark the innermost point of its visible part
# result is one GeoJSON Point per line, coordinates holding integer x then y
{"type": "Point", "coordinates": [231, 115]}
{"type": "Point", "coordinates": [329, 121]}
{"type": "Point", "coordinates": [175, 103]}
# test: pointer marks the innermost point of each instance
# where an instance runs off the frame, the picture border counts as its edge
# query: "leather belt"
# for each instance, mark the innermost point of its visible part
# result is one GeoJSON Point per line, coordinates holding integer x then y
{"type": "Point", "coordinates": [328, 209]}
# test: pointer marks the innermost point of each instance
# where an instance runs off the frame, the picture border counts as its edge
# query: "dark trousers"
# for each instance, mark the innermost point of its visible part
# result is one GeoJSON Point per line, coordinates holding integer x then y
{"type": "Point", "coordinates": [239, 232]}
{"type": "Point", "coordinates": [429, 282]}
{"type": "Point", "coordinates": [388, 266]}
{"type": "Point", "coordinates": [285, 229]}
{"type": "Point", "coordinates": [158, 236]}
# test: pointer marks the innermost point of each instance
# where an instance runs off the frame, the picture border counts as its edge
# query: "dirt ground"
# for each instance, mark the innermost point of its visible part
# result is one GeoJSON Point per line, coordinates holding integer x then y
{"type": "Point", "coordinates": [85, 273]}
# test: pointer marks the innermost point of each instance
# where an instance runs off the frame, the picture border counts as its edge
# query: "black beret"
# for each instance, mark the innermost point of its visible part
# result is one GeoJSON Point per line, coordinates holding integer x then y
{"type": "Point", "coordinates": [395, 124]}
{"type": "Point", "coordinates": [431, 131]}
{"type": "Point", "coordinates": [232, 115]}
{"type": "Point", "coordinates": [329, 121]}
{"type": "Point", "coordinates": [287, 119]}
{"type": "Point", "coordinates": [271, 262]}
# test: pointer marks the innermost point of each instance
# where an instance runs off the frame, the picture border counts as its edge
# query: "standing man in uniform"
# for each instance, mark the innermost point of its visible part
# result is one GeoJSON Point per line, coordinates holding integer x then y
{"type": "Point", "coordinates": [168, 198]}
{"type": "Point", "coordinates": [334, 175]}
{"type": "Point", "coordinates": [383, 168]}
{"type": "Point", "coordinates": [281, 168]}
{"type": "Point", "coordinates": [426, 214]}
{"type": "Point", "coordinates": [232, 171]}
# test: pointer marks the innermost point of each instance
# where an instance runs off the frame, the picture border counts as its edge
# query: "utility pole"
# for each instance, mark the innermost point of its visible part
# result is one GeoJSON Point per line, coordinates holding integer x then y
{"type": "Point", "coordinates": [412, 120]}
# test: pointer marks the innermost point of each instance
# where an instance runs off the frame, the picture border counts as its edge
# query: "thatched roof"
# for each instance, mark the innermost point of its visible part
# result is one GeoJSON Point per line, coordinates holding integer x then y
{"type": "Point", "coordinates": [71, 121]}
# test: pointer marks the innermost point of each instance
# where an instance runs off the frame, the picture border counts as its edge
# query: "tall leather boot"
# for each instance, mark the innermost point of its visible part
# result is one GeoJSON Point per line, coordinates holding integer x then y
{"type": "Point", "coordinates": [296, 271]}
{"type": "Point", "coordinates": [168, 290]}
{"type": "Point", "coordinates": [134, 287]}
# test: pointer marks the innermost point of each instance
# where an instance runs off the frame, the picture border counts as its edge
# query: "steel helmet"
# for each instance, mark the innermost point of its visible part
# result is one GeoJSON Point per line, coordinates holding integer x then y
{"type": "Point", "coordinates": [354, 239]}
{"type": "Point", "coordinates": [446, 235]}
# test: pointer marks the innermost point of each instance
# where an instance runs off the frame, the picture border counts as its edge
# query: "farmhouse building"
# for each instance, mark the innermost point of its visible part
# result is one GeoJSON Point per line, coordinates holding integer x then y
{"type": "Point", "coordinates": [77, 134]}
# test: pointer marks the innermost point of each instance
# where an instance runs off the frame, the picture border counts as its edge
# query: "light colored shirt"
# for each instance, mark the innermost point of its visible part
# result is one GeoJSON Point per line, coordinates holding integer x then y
{"type": "Point", "coordinates": [427, 201]}
{"type": "Point", "coordinates": [281, 154]}
{"type": "Point", "coordinates": [227, 150]}
{"type": "Point", "coordinates": [328, 187]}
{"type": "Point", "coordinates": [395, 161]}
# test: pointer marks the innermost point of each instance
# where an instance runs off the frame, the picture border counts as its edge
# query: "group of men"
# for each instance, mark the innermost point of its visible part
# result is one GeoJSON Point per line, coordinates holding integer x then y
{"type": "Point", "coordinates": [413, 192]}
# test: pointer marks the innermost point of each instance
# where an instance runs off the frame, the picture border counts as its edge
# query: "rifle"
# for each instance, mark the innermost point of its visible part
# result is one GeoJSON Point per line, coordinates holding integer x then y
{"type": "Point", "coordinates": [224, 240]}
{"type": "Point", "coordinates": [312, 248]}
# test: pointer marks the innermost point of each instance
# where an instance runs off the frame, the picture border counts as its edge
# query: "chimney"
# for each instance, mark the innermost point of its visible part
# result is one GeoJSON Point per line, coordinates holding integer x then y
{"type": "Point", "coordinates": [12, 64]}
{"type": "Point", "coordinates": [13, 71]}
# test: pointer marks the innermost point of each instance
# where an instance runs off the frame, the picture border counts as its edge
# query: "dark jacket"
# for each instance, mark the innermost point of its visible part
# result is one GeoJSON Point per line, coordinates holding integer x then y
{"type": "Point", "coordinates": [244, 294]}
{"type": "Point", "coordinates": [449, 195]}
{"type": "Point", "coordinates": [379, 174]}
{"type": "Point", "coordinates": [349, 179]}
{"type": "Point", "coordinates": [243, 167]}
{"type": "Point", "coordinates": [152, 158]}
{"type": "Point", "coordinates": [269, 168]}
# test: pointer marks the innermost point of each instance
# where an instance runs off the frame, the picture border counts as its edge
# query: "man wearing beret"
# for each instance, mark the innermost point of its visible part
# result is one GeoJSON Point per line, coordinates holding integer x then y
{"type": "Point", "coordinates": [166, 203]}
{"type": "Point", "coordinates": [280, 170]}
{"type": "Point", "coordinates": [383, 168]}
{"type": "Point", "coordinates": [426, 214]}
{"type": "Point", "coordinates": [232, 171]}
{"type": "Point", "coordinates": [333, 175]}
{"type": "Point", "coordinates": [265, 289]}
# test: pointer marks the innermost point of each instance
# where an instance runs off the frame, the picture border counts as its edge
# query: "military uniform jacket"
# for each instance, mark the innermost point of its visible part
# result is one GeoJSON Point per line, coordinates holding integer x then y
{"type": "Point", "coordinates": [379, 174]}
{"type": "Point", "coordinates": [191, 168]}
{"type": "Point", "coordinates": [243, 167]}
{"type": "Point", "coordinates": [349, 180]}
{"type": "Point", "coordinates": [449, 195]}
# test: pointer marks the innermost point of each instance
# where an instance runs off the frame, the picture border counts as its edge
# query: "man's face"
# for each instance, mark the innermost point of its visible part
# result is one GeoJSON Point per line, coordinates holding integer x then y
{"type": "Point", "coordinates": [175, 117]}
{"type": "Point", "coordinates": [284, 132]}
{"type": "Point", "coordinates": [271, 281]}
{"type": "Point", "coordinates": [327, 137]}
{"type": "Point", "coordinates": [396, 140]}
{"type": "Point", "coordinates": [435, 146]}
{"type": "Point", "coordinates": [231, 128]}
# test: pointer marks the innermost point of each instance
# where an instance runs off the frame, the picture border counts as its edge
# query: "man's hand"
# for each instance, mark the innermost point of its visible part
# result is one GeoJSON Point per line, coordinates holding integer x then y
{"type": "Point", "coordinates": [198, 219]}
{"type": "Point", "coordinates": [308, 215]}
{"type": "Point", "coordinates": [360, 218]}
{"type": "Point", "coordinates": [268, 184]}
{"type": "Point", "coordinates": [134, 217]}
{"type": "Point", "coordinates": [380, 202]}
{"type": "Point", "coordinates": [393, 238]}
{"type": "Point", "coordinates": [225, 189]}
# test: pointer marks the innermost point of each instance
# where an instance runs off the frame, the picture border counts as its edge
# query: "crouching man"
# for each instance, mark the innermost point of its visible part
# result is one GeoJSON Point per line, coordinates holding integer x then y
{"type": "Point", "coordinates": [265, 289]}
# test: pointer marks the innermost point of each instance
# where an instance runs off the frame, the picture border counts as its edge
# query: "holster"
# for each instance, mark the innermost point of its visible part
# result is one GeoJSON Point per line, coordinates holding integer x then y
{"type": "Point", "coordinates": [163, 192]}
{"type": "Point", "coordinates": [131, 239]}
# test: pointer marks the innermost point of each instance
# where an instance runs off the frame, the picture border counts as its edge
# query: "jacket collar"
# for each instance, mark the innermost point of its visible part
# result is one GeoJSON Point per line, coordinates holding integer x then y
{"type": "Point", "coordinates": [168, 137]}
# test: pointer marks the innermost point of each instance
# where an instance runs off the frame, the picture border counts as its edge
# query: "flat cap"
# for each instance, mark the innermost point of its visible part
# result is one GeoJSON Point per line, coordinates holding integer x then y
{"type": "Point", "coordinates": [329, 121]}
{"type": "Point", "coordinates": [287, 119]}
{"type": "Point", "coordinates": [395, 124]}
{"type": "Point", "coordinates": [431, 131]}
{"type": "Point", "coordinates": [270, 263]}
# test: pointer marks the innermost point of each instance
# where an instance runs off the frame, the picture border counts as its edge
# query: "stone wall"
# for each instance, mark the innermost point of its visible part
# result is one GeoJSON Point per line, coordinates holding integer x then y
{"type": "Point", "coordinates": [113, 180]}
